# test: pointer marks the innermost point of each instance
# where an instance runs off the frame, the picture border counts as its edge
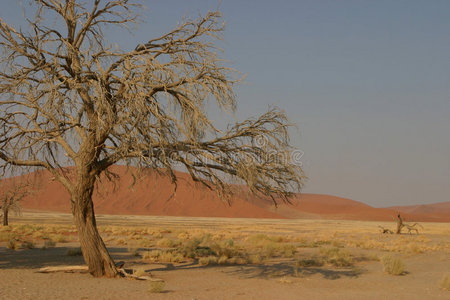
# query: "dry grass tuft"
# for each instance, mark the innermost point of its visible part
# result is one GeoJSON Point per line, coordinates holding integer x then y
{"type": "Point", "coordinates": [207, 261]}
{"type": "Point", "coordinates": [163, 256]}
{"type": "Point", "coordinates": [59, 238]}
{"type": "Point", "coordinates": [337, 257]}
{"type": "Point", "coordinates": [393, 265]}
{"type": "Point", "coordinates": [156, 286]}
{"type": "Point", "coordinates": [13, 244]}
{"type": "Point", "coordinates": [167, 243]}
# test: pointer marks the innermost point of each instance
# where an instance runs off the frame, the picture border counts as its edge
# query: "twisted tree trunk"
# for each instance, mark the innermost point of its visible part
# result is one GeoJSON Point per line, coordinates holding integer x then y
{"type": "Point", "coordinates": [94, 250]}
{"type": "Point", "coordinates": [400, 224]}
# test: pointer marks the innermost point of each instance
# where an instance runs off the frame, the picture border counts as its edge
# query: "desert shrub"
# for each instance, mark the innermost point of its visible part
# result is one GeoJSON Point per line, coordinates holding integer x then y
{"type": "Point", "coordinates": [337, 257]}
{"type": "Point", "coordinates": [49, 244]}
{"type": "Point", "coordinates": [269, 248]}
{"type": "Point", "coordinates": [28, 245]}
{"type": "Point", "coordinates": [392, 265]}
{"type": "Point", "coordinates": [12, 244]}
{"type": "Point", "coordinates": [237, 260]}
{"type": "Point", "coordinates": [222, 260]}
{"type": "Point", "coordinates": [255, 259]}
{"type": "Point", "coordinates": [189, 248]}
{"type": "Point", "coordinates": [145, 243]}
{"type": "Point", "coordinates": [156, 286]}
{"type": "Point", "coordinates": [163, 256]}
{"type": "Point", "coordinates": [166, 243]}
{"type": "Point", "coordinates": [183, 236]}
{"type": "Point", "coordinates": [445, 282]}
{"type": "Point", "coordinates": [225, 248]}
{"type": "Point", "coordinates": [194, 249]}
{"type": "Point", "coordinates": [169, 256]}
{"type": "Point", "coordinates": [257, 239]}
{"type": "Point", "coordinates": [74, 252]}
{"type": "Point", "coordinates": [209, 260]}
{"type": "Point", "coordinates": [152, 255]}
{"type": "Point", "coordinates": [288, 250]}
{"type": "Point", "coordinates": [59, 238]}
{"type": "Point", "coordinates": [309, 262]}
{"type": "Point", "coordinates": [39, 235]}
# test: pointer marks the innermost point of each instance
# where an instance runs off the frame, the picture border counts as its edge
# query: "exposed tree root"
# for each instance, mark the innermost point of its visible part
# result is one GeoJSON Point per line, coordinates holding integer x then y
{"type": "Point", "coordinates": [127, 273]}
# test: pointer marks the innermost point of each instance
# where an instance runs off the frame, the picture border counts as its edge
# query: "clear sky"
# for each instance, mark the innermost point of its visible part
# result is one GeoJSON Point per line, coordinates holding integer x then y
{"type": "Point", "coordinates": [367, 82]}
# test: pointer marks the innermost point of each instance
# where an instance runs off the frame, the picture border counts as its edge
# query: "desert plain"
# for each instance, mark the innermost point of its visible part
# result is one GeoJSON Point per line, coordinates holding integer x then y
{"type": "Point", "coordinates": [227, 258]}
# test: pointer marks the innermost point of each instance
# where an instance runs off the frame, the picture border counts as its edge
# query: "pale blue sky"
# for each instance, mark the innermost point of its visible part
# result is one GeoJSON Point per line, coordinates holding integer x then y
{"type": "Point", "coordinates": [367, 82]}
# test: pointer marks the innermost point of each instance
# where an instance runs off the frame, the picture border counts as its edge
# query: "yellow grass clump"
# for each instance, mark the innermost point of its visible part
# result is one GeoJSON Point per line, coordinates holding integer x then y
{"type": "Point", "coordinates": [392, 265]}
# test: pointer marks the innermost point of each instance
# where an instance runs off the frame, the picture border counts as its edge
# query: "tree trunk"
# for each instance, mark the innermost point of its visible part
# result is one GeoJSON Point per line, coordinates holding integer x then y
{"type": "Point", "coordinates": [399, 224]}
{"type": "Point", "coordinates": [94, 250]}
{"type": "Point", "coordinates": [5, 216]}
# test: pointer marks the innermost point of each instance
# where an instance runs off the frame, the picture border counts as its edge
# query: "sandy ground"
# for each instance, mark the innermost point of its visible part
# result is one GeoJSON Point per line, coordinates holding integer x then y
{"type": "Point", "coordinates": [276, 279]}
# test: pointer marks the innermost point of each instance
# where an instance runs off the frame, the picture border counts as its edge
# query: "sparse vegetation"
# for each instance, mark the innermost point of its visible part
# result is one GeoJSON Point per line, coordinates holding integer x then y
{"type": "Point", "coordinates": [28, 245]}
{"type": "Point", "coordinates": [284, 254]}
{"type": "Point", "coordinates": [337, 257]}
{"type": "Point", "coordinates": [59, 238]}
{"type": "Point", "coordinates": [12, 244]}
{"type": "Point", "coordinates": [393, 265]}
{"type": "Point", "coordinates": [209, 260]}
{"type": "Point", "coordinates": [156, 286]}
{"type": "Point", "coordinates": [49, 244]}
{"type": "Point", "coordinates": [162, 256]}
{"type": "Point", "coordinates": [166, 243]}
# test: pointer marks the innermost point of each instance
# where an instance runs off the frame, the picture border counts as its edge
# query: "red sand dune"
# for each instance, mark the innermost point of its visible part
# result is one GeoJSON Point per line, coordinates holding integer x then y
{"type": "Point", "coordinates": [438, 211]}
{"type": "Point", "coordinates": [151, 195]}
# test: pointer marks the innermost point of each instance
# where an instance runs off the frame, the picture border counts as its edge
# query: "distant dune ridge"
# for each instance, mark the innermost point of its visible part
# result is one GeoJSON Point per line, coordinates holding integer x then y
{"type": "Point", "coordinates": [151, 195]}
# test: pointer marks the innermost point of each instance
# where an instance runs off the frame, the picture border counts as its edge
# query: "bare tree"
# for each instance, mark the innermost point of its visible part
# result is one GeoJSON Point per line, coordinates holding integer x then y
{"type": "Point", "coordinates": [10, 197]}
{"type": "Point", "coordinates": [67, 98]}
{"type": "Point", "coordinates": [400, 224]}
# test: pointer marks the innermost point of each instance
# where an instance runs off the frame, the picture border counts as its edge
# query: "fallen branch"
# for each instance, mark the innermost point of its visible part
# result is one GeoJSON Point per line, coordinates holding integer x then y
{"type": "Point", "coordinates": [412, 227]}
{"type": "Point", "coordinates": [67, 269]}
{"type": "Point", "coordinates": [385, 230]}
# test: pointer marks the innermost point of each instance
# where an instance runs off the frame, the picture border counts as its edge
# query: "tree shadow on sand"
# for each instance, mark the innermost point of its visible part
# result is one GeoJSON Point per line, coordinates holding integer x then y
{"type": "Point", "coordinates": [288, 269]}
{"type": "Point", "coordinates": [38, 258]}
{"type": "Point", "coordinates": [269, 270]}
